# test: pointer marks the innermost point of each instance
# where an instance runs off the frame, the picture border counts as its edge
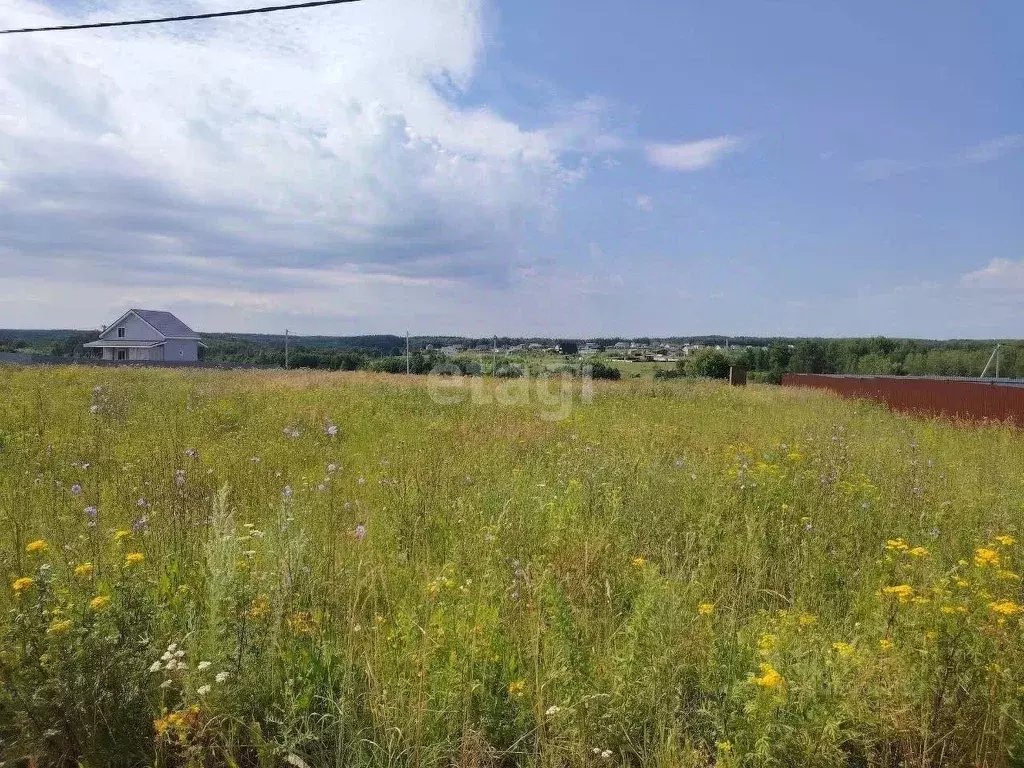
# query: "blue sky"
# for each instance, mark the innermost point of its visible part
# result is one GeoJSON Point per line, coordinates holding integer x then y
{"type": "Point", "coordinates": [467, 167]}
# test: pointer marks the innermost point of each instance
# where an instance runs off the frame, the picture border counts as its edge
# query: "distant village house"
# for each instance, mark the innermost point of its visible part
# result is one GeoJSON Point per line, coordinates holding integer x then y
{"type": "Point", "coordinates": [146, 334]}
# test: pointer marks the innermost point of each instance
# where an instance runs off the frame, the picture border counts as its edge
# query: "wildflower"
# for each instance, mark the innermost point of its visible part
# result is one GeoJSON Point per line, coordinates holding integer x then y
{"type": "Point", "coordinates": [94, 409]}
{"type": "Point", "coordinates": [885, 643]}
{"type": "Point", "coordinates": [287, 492]}
{"type": "Point", "coordinates": [639, 562]}
{"type": "Point", "coordinates": [172, 647]}
{"type": "Point", "coordinates": [83, 571]}
{"type": "Point", "coordinates": [91, 513]}
{"type": "Point", "coordinates": [192, 453]}
{"type": "Point", "coordinates": [141, 502]}
{"type": "Point", "coordinates": [139, 524]}
{"type": "Point", "coordinates": [1004, 607]}
{"type": "Point", "coordinates": [171, 665]}
{"type": "Point", "coordinates": [359, 533]}
{"type": "Point", "coordinates": [1006, 541]}
{"type": "Point", "coordinates": [134, 558]}
{"type": "Point", "coordinates": [331, 430]}
{"type": "Point", "coordinates": [260, 607]}
{"type": "Point", "coordinates": [222, 677]}
{"type": "Point", "coordinates": [302, 623]}
{"type": "Point", "coordinates": [99, 602]}
{"type": "Point", "coordinates": [1008, 576]}
{"type": "Point", "coordinates": [255, 459]}
{"type": "Point", "coordinates": [554, 709]}
{"type": "Point", "coordinates": [918, 552]}
{"type": "Point", "coordinates": [39, 545]}
{"type": "Point", "coordinates": [121, 535]}
{"type": "Point", "coordinates": [166, 683]}
{"type": "Point", "coordinates": [794, 456]}
{"type": "Point", "coordinates": [203, 665]}
{"type": "Point", "coordinates": [516, 688]}
{"type": "Point", "coordinates": [606, 754]}
{"type": "Point", "coordinates": [179, 477]}
{"type": "Point", "coordinates": [806, 619]}
{"type": "Point", "coordinates": [203, 690]}
{"type": "Point", "coordinates": [766, 643]}
{"type": "Point", "coordinates": [59, 627]}
{"type": "Point", "coordinates": [76, 489]}
{"type": "Point", "coordinates": [898, 545]}
{"type": "Point", "coordinates": [901, 591]}
{"type": "Point", "coordinates": [723, 746]}
{"type": "Point", "coordinates": [20, 585]}
{"type": "Point", "coordinates": [843, 649]}
{"type": "Point", "coordinates": [156, 666]}
{"type": "Point", "coordinates": [705, 609]}
{"type": "Point", "coordinates": [167, 656]}
{"type": "Point", "coordinates": [984, 556]}
{"type": "Point", "coordinates": [769, 677]}
{"type": "Point", "coordinates": [332, 468]}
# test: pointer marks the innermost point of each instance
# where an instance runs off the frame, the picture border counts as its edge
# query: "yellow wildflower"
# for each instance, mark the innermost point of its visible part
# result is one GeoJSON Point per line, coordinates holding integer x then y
{"type": "Point", "coordinates": [901, 591]}
{"type": "Point", "coordinates": [260, 607]}
{"type": "Point", "coordinates": [39, 545]}
{"type": "Point", "coordinates": [99, 602]}
{"type": "Point", "coordinates": [766, 643]}
{"type": "Point", "coordinates": [134, 558]}
{"type": "Point", "coordinates": [639, 562]}
{"type": "Point", "coordinates": [1005, 607]}
{"type": "Point", "coordinates": [918, 552]}
{"type": "Point", "coordinates": [962, 583]}
{"type": "Point", "coordinates": [1008, 576]}
{"type": "Point", "coordinates": [20, 585]}
{"type": "Point", "coordinates": [121, 535]}
{"type": "Point", "coordinates": [897, 544]}
{"type": "Point", "coordinates": [984, 556]}
{"type": "Point", "coordinates": [59, 627]}
{"type": "Point", "coordinates": [84, 570]}
{"type": "Point", "coordinates": [843, 649]}
{"type": "Point", "coordinates": [806, 619]}
{"type": "Point", "coordinates": [1006, 541]}
{"type": "Point", "coordinates": [769, 677]}
{"type": "Point", "coordinates": [706, 609]}
{"type": "Point", "coordinates": [302, 623]}
{"type": "Point", "coordinates": [885, 643]}
{"type": "Point", "coordinates": [931, 634]}
{"type": "Point", "coordinates": [516, 688]}
{"type": "Point", "coordinates": [723, 746]}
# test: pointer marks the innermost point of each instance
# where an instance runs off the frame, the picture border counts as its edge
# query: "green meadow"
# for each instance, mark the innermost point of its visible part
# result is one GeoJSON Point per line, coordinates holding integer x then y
{"type": "Point", "coordinates": [208, 568]}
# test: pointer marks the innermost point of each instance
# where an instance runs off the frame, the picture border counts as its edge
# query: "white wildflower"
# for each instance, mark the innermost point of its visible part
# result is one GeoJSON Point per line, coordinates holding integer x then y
{"type": "Point", "coordinates": [171, 665]}
{"type": "Point", "coordinates": [221, 677]}
{"type": "Point", "coordinates": [167, 656]}
{"type": "Point", "coordinates": [606, 754]}
{"type": "Point", "coordinates": [203, 665]}
{"type": "Point", "coordinates": [156, 666]}
{"type": "Point", "coordinates": [165, 684]}
{"type": "Point", "coordinates": [554, 709]}
{"type": "Point", "coordinates": [179, 654]}
{"type": "Point", "coordinates": [172, 647]}
{"type": "Point", "coordinates": [203, 690]}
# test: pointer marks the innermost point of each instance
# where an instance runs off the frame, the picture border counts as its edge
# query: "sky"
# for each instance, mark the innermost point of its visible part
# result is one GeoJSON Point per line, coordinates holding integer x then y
{"type": "Point", "coordinates": [474, 167]}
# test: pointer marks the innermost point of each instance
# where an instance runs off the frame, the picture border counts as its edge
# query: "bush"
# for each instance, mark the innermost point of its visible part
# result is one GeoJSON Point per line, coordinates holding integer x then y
{"type": "Point", "coordinates": [709, 364]}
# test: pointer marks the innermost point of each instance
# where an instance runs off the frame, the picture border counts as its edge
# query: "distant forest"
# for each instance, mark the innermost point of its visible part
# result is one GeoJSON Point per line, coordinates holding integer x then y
{"type": "Point", "coordinates": [767, 358]}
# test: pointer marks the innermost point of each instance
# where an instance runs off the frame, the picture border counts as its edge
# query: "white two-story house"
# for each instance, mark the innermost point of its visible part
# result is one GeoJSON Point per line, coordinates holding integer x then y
{"type": "Point", "coordinates": [146, 334]}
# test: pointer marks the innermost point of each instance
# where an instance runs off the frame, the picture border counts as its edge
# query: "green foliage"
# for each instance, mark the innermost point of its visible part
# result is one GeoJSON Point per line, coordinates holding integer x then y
{"type": "Point", "coordinates": [308, 568]}
{"type": "Point", "coordinates": [707, 363]}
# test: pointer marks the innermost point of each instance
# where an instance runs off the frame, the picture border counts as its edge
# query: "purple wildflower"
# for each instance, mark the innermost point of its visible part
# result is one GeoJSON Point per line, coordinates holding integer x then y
{"type": "Point", "coordinates": [139, 524]}
{"type": "Point", "coordinates": [141, 502]}
{"type": "Point", "coordinates": [332, 430]}
{"type": "Point", "coordinates": [359, 533]}
{"type": "Point", "coordinates": [76, 489]}
{"type": "Point", "coordinates": [192, 453]}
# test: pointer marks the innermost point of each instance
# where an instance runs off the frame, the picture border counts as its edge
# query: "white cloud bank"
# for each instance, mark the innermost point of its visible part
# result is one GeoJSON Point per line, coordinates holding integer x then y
{"type": "Point", "coordinates": [198, 160]}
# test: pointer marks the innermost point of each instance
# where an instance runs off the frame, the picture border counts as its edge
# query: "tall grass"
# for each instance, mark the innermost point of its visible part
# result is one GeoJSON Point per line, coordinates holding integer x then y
{"type": "Point", "coordinates": [199, 570]}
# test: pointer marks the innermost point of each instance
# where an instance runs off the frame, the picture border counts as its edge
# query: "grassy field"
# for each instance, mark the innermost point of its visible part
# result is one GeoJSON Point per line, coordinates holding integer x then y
{"type": "Point", "coordinates": [272, 569]}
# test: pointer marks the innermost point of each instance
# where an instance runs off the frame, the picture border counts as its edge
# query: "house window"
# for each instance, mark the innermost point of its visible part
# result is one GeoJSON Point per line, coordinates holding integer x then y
{"type": "Point", "coordinates": [122, 354]}
{"type": "Point", "coordinates": [120, 332]}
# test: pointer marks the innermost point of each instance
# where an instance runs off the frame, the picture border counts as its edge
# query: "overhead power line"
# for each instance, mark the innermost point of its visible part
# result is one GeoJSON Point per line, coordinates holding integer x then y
{"type": "Point", "coordinates": [167, 19]}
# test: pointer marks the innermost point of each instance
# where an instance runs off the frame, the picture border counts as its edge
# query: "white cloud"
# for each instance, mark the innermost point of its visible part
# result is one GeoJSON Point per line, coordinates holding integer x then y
{"type": "Point", "coordinates": [337, 141]}
{"type": "Point", "coordinates": [644, 203]}
{"type": "Point", "coordinates": [692, 155]}
{"type": "Point", "coordinates": [993, 149]}
{"type": "Point", "coordinates": [999, 275]}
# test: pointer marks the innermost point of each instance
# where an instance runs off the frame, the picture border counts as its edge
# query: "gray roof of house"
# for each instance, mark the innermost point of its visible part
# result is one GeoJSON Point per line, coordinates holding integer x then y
{"type": "Point", "coordinates": [166, 323]}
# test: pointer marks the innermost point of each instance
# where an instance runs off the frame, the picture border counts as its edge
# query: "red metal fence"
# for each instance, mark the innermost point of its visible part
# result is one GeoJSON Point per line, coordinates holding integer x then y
{"type": "Point", "coordinates": [973, 399]}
